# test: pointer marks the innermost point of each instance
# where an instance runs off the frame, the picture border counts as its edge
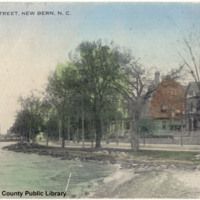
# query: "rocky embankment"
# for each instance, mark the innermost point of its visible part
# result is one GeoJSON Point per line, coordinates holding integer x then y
{"type": "Point", "coordinates": [123, 157]}
{"type": "Point", "coordinates": [107, 156]}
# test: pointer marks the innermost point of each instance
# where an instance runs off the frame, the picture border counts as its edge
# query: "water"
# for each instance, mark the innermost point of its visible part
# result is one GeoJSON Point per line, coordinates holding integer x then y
{"type": "Point", "coordinates": [31, 172]}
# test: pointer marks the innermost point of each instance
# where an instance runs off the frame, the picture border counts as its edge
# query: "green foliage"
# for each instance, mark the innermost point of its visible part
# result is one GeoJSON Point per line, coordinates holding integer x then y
{"type": "Point", "coordinates": [29, 121]}
{"type": "Point", "coordinates": [99, 66]}
{"type": "Point", "coordinates": [84, 93]}
{"type": "Point", "coordinates": [52, 127]}
{"type": "Point", "coordinates": [21, 125]}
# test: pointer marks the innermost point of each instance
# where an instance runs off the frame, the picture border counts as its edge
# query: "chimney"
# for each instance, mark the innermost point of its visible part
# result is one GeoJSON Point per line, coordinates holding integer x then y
{"type": "Point", "coordinates": [157, 78]}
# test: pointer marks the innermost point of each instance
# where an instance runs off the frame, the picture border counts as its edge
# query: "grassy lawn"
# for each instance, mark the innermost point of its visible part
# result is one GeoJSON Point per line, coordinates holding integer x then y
{"type": "Point", "coordinates": [167, 155]}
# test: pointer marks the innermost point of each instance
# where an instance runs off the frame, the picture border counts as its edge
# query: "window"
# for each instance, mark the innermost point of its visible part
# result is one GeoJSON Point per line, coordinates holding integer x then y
{"type": "Point", "coordinates": [163, 108]}
{"type": "Point", "coordinates": [173, 92]}
{"type": "Point", "coordinates": [173, 114]}
{"type": "Point", "coordinates": [191, 93]}
{"type": "Point", "coordinates": [191, 106]}
{"type": "Point", "coordinates": [198, 105]}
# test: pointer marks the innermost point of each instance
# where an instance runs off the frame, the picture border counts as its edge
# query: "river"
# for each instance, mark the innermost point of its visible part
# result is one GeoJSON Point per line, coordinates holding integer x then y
{"type": "Point", "coordinates": [20, 172]}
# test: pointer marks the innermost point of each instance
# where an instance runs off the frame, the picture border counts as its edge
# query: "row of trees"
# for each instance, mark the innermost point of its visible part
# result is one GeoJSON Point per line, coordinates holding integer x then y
{"type": "Point", "coordinates": [86, 94]}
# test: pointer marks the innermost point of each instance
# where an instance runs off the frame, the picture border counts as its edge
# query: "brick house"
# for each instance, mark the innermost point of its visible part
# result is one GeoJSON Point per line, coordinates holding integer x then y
{"type": "Point", "coordinates": [167, 107]}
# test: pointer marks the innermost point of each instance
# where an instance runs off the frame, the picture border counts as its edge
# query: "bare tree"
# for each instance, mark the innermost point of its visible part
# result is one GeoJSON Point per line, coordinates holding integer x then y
{"type": "Point", "coordinates": [136, 89]}
{"type": "Point", "coordinates": [191, 59]}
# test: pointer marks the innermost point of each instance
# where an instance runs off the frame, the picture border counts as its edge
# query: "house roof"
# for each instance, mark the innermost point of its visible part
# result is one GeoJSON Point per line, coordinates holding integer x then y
{"type": "Point", "coordinates": [194, 86]}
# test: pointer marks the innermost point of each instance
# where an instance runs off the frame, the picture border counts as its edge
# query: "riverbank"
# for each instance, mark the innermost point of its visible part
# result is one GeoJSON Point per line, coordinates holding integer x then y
{"type": "Point", "coordinates": [143, 174]}
{"type": "Point", "coordinates": [113, 155]}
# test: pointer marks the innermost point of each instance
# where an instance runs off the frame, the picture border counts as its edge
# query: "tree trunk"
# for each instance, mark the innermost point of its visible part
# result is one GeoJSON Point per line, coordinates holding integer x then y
{"type": "Point", "coordinates": [63, 140]}
{"type": "Point", "coordinates": [47, 135]}
{"type": "Point", "coordinates": [47, 139]}
{"type": "Point", "coordinates": [97, 121]}
{"type": "Point", "coordinates": [74, 135]}
{"type": "Point", "coordinates": [144, 137]}
{"type": "Point", "coordinates": [78, 135]}
{"type": "Point", "coordinates": [116, 132]}
{"type": "Point", "coordinates": [63, 134]}
{"type": "Point", "coordinates": [68, 129]}
{"type": "Point", "coordinates": [98, 131]}
{"type": "Point", "coordinates": [30, 135]}
{"type": "Point", "coordinates": [92, 134]}
{"type": "Point", "coordinates": [107, 132]}
{"type": "Point", "coordinates": [82, 126]}
{"type": "Point", "coordinates": [181, 134]}
{"type": "Point", "coordinates": [137, 138]}
{"type": "Point", "coordinates": [59, 128]}
{"type": "Point", "coordinates": [135, 142]}
{"type": "Point", "coordinates": [132, 134]}
{"type": "Point", "coordinates": [34, 138]}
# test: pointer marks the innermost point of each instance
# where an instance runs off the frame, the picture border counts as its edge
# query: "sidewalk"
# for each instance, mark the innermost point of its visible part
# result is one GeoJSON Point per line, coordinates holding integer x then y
{"type": "Point", "coordinates": [171, 147]}
{"type": "Point", "coordinates": [164, 147]}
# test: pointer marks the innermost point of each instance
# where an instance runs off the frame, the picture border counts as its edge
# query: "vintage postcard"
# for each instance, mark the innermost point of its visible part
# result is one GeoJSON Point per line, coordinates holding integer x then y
{"type": "Point", "coordinates": [99, 100]}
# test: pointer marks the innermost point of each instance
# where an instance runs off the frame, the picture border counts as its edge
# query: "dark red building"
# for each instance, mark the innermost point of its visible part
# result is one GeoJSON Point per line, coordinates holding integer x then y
{"type": "Point", "coordinates": [167, 106]}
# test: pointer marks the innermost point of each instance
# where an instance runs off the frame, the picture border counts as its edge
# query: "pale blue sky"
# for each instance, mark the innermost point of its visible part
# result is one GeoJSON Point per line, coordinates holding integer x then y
{"type": "Point", "coordinates": [31, 46]}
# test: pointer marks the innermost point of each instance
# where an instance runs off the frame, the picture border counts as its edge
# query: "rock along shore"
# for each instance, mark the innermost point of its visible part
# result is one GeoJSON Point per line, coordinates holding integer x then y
{"type": "Point", "coordinates": [124, 157]}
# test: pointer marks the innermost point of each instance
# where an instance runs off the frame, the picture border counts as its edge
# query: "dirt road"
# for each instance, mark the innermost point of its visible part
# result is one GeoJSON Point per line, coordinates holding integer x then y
{"type": "Point", "coordinates": [151, 182]}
